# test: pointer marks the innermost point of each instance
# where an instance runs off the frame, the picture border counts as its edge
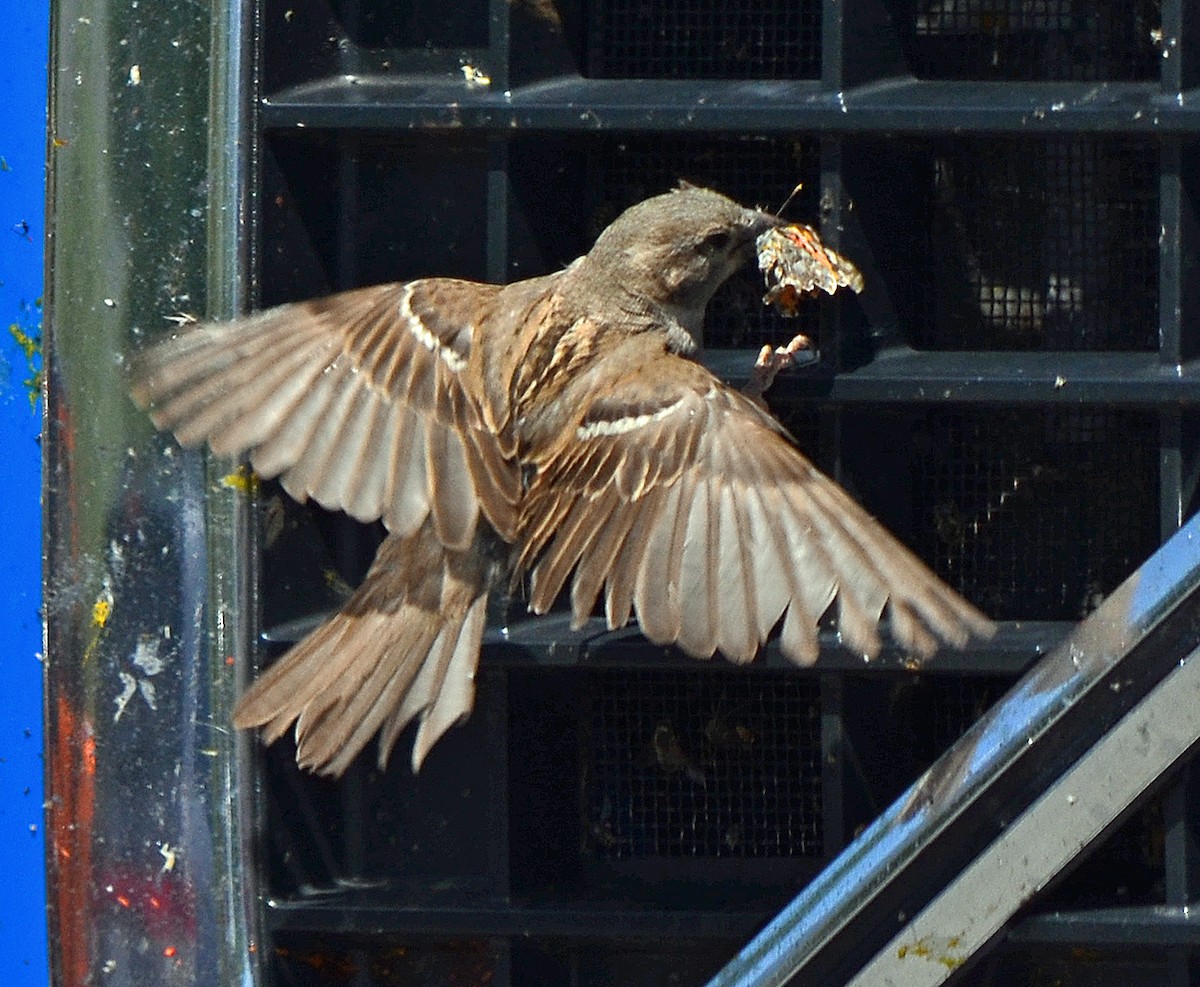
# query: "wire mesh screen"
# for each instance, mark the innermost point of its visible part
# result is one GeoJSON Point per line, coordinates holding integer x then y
{"type": "Point", "coordinates": [941, 708]}
{"type": "Point", "coordinates": [705, 39]}
{"type": "Point", "coordinates": [325, 961]}
{"type": "Point", "coordinates": [415, 24]}
{"type": "Point", "coordinates": [702, 764]}
{"type": "Point", "coordinates": [1048, 245]}
{"type": "Point", "coordinates": [1118, 965]}
{"type": "Point", "coordinates": [754, 171]}
{"type": "Point", "coordinates": [807, 423]}
{"type": "Point", "coordinates": [1037, 40]}
{"type": "Point", "coordinates": [1036, 515]}
{"type": "Point", "coordinates": [321, 234]}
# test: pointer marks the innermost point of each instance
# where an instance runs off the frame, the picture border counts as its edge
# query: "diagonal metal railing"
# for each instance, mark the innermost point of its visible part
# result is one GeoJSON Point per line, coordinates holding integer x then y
{"type": "Point", "coordinates": [1036, 781]}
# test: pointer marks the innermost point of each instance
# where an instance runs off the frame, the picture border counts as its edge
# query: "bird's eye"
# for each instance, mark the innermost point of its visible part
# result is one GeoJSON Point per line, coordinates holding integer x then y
{"type": "Point", "coordinates": [716, 240]}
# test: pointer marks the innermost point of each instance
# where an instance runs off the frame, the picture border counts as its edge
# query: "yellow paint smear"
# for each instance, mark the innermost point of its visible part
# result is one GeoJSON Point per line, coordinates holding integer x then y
{"type": "Point", "coordinates": [243, 479]}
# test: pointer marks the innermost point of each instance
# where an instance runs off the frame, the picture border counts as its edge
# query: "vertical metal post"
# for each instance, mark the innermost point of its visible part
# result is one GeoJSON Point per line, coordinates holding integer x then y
{"type": "Point", "coordinates": [147, 209]}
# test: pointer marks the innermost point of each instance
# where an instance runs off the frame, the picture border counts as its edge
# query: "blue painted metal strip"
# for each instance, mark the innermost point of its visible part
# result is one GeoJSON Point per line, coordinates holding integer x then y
{"type": "Point", "coordinates": [22, 193]}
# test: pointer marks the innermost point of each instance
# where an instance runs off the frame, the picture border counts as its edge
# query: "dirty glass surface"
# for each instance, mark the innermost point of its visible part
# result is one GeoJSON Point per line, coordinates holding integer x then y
{"type": "Point", "coordinates": [142, 827]}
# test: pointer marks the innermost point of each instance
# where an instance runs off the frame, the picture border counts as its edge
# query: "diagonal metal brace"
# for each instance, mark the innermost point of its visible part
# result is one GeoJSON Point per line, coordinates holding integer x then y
{"type": "Point", "coordinates": [919, 892]}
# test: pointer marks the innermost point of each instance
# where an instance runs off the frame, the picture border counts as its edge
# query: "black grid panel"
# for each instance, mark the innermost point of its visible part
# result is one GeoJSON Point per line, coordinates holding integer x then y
{"type": "Point", "coordinates": [897, 724]}
{"type": "Point", "coordinates": [305, 40]}
{"type": "Point", "coordinates": [1042, 245]}
{"type": "Point", "coordinates": [702, 764]}
{"type": "Point", "coordinates": [1036, 965]}
{"type": "Point", "coordinates": [427, 836]}
{"type": "Point", "coordinates": [1036, 40]}
{"type": "Point", "coordinates": [754, 171]}
{"type": "Point", "coordinates": [329, 961]}
{"type": "Point", "coordinates": [938, 709]}
{"type": "Point", "coordinates": [1036, 515]}
{"type": "Point", "coordinates": [594, 963]}
{"type": "Point", "coordinates": [704, 39]}
{"type": "Point", "coordinates": [344, 210]}
{"type": "Point", "coordinates": [414, 24]}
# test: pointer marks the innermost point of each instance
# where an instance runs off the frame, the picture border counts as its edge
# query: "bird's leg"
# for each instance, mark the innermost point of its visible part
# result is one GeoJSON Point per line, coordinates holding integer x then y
{"type": "Point", "coordinates": [770, 362]}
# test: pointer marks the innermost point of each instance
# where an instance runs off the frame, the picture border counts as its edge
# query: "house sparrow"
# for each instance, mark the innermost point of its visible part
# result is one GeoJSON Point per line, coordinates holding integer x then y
{"type": "Point", "coordinates": [558, 426]}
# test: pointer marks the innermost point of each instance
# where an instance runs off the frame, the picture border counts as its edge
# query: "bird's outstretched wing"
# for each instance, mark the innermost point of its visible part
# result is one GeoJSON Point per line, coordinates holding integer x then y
{"type": "Point", "coordinates": [689, 505]}
{"type": "Point", "coordinates": [357, 400]}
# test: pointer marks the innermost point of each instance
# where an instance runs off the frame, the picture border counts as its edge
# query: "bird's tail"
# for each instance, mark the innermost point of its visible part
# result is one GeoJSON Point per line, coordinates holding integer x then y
{"type": "Point", "coordinates": [405, 645]}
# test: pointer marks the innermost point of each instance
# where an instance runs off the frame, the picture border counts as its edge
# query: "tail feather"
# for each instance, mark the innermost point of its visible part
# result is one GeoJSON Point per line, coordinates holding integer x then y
{"type": "Point", "coordinates": [455, 695]}
{"type": "Point", "coordinates": [405, 646]}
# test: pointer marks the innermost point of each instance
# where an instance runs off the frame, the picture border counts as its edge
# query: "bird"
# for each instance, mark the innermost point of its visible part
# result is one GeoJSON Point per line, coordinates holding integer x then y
{"type": "Point", "coordinates": [558, 429]}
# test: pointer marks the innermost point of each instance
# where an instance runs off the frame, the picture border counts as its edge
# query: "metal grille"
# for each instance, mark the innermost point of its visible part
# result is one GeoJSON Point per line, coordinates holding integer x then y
{"type": "Point", "coordinates": [1078, 966]}
{"type": "Point", "coordinates": [806, 423]}
{"type": "Point", "coordinates": [328, 961]}
{"type": "Point", "coordinates": [705, 39]}
{"type": "Point", "coordinates": [680, 764]}
{"type": "Point", "coordinates": [941, 708]}
{"type": "Point", "coordinates": [631, 168]}
{"type": "Point", "coordinates": [1049, 244]}
{"type": "Point", "coordinates": [419, 24]}
{"type": "Point", "coordinates": [321, 236]}
{"type": "Point", "coordinates": [1036, 515]}
{"type": "Point", "coordinates": [1042, 40]}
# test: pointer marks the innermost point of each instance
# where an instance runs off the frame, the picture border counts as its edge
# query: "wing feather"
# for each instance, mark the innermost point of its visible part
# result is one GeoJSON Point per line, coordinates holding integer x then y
{"type": "Point", "coordinates": [732, 590]}
{"type": "Point", "coordinates": [695, 511]}
{"type": "Point", "coordinates": [656, 589]}
{"type": "Point", "coordinates": [327, 394]}
{"type": "Point", "coordinates": [770, 592]}
{"type": "Point", "coordinates": [364, 462]}
{"type": "Point", "coordinates": [409, 503]}
{"type": "Point", "coordinates": [602, 554]}
{"type": "Point", "coordinates": [320, 426]}
{"type": "Point", "coordinates": [455, 507]}
{"type": "Point", "coordinates": [695, 636]}
{"type": "Point", "coordinates": [252, 413]}
{"type": "Point", "coordinates": [211, 404]}
{"type": "Point", "coordinates": [619, 588]}
{"type": "Point", "coordinates": [294, 440]}
{"type": "Point", "coordinates": [574, 532]}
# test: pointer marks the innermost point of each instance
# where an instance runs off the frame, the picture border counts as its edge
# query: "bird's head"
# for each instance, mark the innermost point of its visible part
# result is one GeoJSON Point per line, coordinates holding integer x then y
{"type": "Point", "coordinates": [677, 249]}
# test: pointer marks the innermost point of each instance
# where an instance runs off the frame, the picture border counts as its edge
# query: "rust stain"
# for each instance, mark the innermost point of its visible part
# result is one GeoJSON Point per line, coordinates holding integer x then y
{"type": "Point", "coordinates": [936, 950]}
{"type": "Point", "coordinates": [71, 815]}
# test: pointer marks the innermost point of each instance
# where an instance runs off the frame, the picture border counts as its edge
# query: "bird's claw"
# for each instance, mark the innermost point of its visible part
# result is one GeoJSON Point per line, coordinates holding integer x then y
{"type": "Point", "coordinates": [772, 360]}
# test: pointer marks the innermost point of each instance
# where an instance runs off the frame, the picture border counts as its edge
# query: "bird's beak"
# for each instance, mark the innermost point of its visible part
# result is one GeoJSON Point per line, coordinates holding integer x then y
{"type": "Point", "coordinates": [755, 223]}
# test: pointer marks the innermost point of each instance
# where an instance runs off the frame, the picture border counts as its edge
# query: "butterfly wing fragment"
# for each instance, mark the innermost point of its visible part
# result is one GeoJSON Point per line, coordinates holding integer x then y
{"type": "Point", "coordinates": [796, 264]}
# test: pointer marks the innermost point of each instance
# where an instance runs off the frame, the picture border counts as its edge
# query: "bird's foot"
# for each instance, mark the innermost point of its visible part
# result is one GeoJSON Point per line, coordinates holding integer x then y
{"type": "Point", "coordinates": [772, 360]}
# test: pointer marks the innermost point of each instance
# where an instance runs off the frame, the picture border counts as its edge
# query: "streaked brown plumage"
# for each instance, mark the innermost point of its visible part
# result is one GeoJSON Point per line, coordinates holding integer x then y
{"type": "Point", "coordinates": [557, 426]}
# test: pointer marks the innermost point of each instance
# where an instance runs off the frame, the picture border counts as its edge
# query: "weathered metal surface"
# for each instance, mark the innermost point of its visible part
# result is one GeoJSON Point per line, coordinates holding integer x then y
{"type": "Point", "coordinates": [143, 825]}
